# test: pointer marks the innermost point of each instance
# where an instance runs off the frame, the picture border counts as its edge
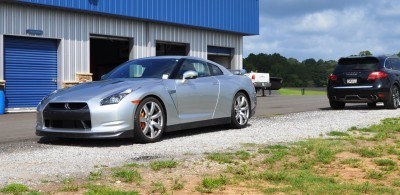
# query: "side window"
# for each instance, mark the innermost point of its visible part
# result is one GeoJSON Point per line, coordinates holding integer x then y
{"type": "Point", "coordinates": [200, 67]}
{"type": "Point", "coordinates": [396, 64]}
{"type": "Point", "coordinates": [215, 70]}
{"type": "Point", "coordinates": [389, 64]}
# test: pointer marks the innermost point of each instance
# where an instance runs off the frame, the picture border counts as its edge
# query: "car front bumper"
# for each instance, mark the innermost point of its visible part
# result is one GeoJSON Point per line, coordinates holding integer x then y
{"type": "Point", "coordinates": [93, 121]}
{"type": "Point", "coordinates": [262, 85]}
{"type": "Point", "coordinates": [85, 135]}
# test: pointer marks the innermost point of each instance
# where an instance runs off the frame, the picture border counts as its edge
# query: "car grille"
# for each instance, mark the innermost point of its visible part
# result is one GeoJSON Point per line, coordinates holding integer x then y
{"type": "Point", "coordinates": [67, 106]}
{"type": "Point", "coordinates": [68, 124]}
{"type": "Point", "coordinates": [67, 116]}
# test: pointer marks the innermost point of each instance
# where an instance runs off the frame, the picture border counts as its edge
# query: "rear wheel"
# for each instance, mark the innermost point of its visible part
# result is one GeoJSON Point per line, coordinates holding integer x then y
{"type": "Point", "coordinates": [149, 121]}
{"type": "Point", "coordinates": [393, 99]}
{"type": "Point", "coordinates": [337, 105]}
{"type": "Point", "coordinates": [240, 111]}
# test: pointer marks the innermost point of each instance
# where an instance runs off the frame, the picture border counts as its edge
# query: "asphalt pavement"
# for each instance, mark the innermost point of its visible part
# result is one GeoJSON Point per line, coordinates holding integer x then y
{"type": "Point", "coordinates": [21, 126]}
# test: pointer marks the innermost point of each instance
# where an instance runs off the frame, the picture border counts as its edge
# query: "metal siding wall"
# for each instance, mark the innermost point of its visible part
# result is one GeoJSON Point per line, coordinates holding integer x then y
{"type": "Point", "coordinates": [74, 29]}
{"type": "Point", "coordinates": [240, 16]}
{"type": "Point", "coordinates": [199, 40]}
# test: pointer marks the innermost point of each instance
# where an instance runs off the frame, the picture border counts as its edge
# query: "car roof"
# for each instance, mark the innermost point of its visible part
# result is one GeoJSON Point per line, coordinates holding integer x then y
{"type": "Point", "coordinates": [174, 57]}
{"type": "Point", "coordinates": [182, 57]}
{"type": "Point", "coordinates": [379, 57]}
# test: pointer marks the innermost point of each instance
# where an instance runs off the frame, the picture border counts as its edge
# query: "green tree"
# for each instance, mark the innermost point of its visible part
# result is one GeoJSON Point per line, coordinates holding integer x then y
{"type": "Point", "coordinates": [365, 53]}
{"type": "Point", "coordinates": [309, 72]}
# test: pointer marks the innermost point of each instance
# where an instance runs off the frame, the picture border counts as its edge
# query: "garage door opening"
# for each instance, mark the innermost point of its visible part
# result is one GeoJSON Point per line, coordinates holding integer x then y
{"type": "Point", "coordinates": [220, 55]}
{"type": "Point", "coordinates": [171, 49]}
{"type": "Point", "coordinates": [107, 53]}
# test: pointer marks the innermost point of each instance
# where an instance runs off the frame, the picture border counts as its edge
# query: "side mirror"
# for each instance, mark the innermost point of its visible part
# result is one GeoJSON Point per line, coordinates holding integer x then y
{"type": "Point", "coordinates": [189, 75]}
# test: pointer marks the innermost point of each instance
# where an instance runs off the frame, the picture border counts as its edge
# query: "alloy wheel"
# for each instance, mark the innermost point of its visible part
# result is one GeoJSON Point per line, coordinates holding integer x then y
{"type": "Point", "coordinates": [151, 119]}
{"type": "Point", "coordinates": [396, 97]}
{"type": "Point", "coordinates": [242, 110]}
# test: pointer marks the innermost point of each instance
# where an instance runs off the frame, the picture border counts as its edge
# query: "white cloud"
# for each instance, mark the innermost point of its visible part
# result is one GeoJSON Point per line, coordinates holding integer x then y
{"type": "Point", "coordinates": [317, 22]}
{"type": "Point", "coordinates": [329, 33]}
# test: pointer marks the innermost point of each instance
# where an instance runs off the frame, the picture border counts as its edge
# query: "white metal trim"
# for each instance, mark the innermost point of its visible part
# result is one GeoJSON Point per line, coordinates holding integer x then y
{"type": "Point", "coordinates": [1, 57]}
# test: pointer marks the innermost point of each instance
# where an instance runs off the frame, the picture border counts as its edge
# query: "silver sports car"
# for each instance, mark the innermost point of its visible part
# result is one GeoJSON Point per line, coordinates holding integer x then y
{"type": "Point", "coordinates": [146, 97]}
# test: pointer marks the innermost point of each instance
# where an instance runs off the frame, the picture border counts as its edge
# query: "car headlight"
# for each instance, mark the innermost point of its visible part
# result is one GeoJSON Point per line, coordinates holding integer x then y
{"type": "Point", "coordinates": [116, 98]}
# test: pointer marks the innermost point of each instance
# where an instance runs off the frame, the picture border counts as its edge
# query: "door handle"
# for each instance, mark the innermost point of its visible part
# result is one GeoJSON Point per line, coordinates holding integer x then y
{"type": "Point", "coordinates": [215, 83]}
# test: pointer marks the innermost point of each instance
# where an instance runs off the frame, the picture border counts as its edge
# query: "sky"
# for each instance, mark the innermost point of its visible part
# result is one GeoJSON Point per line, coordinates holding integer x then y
{"type": "Point", "coordinates": [326, 29]}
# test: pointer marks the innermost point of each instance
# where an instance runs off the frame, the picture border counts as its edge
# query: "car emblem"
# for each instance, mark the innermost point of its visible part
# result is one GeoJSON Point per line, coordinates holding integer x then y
{"type": "Point", "coordinates": [67, 106]}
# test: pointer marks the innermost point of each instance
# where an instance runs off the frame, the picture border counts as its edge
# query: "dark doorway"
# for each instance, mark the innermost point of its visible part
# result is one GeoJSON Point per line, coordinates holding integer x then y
{"type": "Point", "coordinates": [220, 55]}
{"type": "Point", "coordinates": [107, 53]}
{"type": "Point", "coordinates": [222, 60]}
{"type": "Point", "coordinates": [171, 49]}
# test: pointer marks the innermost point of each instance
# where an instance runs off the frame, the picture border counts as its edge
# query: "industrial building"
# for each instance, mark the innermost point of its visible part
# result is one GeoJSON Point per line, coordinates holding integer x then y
{"type": "Point", "coordinates": [50, 44]}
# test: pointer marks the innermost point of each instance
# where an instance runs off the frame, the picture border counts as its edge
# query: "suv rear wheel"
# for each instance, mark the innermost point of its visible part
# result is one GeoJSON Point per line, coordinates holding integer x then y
{"type": "Point", "coordinates": [337, 105]}
{"type": "Point", "coordinates": [393, 99]}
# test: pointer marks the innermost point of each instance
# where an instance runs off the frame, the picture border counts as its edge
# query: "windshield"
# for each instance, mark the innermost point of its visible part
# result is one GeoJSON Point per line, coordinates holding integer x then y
{"type": "Point", "coordinates": [350, 64]}
{"type": "Point", "coordinates": [143, 68]}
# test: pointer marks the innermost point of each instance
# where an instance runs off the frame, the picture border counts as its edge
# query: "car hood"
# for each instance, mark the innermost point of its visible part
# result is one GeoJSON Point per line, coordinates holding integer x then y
{"type": "Point", "coordinates": [99, 89]}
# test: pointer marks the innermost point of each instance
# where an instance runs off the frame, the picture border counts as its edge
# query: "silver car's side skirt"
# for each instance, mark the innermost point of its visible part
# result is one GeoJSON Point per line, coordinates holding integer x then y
{"type": "Point", "coordinates": [197, 124]}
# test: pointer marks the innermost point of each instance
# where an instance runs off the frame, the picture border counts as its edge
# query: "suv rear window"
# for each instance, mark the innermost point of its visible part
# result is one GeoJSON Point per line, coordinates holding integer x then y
{"type": "Point", "coordinates": [351, 64]}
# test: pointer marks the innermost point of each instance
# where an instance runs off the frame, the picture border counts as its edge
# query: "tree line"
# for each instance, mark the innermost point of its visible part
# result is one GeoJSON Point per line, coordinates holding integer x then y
{"type": "Point", "coordinates": [307, 73]}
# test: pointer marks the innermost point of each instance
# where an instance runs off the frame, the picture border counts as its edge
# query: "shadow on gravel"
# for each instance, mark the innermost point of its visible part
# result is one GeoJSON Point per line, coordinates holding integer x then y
{"type": "Point", "coordinates": [358, 107]}
{"type": "Point", "coordinates": [85, 142]}
{"type": "Point", "coordinates": [126, 142]}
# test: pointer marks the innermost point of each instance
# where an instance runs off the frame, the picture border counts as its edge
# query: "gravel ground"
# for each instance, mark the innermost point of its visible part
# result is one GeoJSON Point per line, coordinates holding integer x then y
{"type": "Point", "coordinates": [33, 162]}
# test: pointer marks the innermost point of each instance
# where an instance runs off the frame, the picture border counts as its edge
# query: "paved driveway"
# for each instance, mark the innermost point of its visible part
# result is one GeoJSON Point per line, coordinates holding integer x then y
{"type": "Point", "coordinates": [19, 127]}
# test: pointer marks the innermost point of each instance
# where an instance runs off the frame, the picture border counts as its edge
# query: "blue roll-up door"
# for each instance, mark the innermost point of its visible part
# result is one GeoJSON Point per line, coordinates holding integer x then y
{"type": "Point", "coordinates": [30, 70]}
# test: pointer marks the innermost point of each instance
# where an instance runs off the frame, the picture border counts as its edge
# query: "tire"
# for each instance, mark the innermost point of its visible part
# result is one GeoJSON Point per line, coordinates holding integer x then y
{"type": "Point", "coordinates": [393, 99]}
{"type": "Point", "coordinates": [240, 113]}
{"type": "Point", "coordinates": [371, 105]}
{"type": "Point", "coordinates": [335, 105]}
{"type": "Point", "coordinates": [149, 121]}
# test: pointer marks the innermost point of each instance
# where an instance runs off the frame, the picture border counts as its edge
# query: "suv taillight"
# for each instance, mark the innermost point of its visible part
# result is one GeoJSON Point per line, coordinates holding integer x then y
{"type": "Point", "coordinates": [253, 77]}
{"type": "Point", "coordinates": [332, 77]}
{"type": "Point", "coordinates": [377, 75]}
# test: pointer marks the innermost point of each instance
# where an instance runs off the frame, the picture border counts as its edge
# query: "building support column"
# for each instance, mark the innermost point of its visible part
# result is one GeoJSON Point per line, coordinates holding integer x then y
{"type": "Point", "coordinates": [1, 57]}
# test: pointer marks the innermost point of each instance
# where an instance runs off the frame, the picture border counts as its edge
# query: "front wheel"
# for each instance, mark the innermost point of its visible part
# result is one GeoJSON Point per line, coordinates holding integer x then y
{"type": "Point", "coordinates": [240, 111]}
{"type": "Point", "coordinates": [393, 99]}
{"type": "Point", "coordinates": [335, 105]}
{"type": "Point", "coordinates": [149, 121]}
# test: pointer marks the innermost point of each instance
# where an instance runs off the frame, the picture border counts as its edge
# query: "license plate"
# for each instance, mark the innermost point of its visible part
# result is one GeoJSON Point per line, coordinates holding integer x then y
{"type": "Point", "coordinates": [351, 81]}
{"type": "Point", "coordinates": [263, 84]}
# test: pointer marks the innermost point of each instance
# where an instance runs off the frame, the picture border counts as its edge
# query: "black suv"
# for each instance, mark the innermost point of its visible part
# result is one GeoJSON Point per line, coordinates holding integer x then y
{"type": "Point", "coordinates": [365, 79]}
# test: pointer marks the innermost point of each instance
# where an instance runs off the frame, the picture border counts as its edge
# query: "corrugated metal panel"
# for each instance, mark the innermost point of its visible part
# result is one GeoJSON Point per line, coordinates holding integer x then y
{"type": "Point", "coordinates": [74, 29]}
{"type": "Point", "coordinates": [198, 40]}
{"type": "Point", "coordinates": [240, 16]}
{"type": "Point", "coordinates": [30, 68]}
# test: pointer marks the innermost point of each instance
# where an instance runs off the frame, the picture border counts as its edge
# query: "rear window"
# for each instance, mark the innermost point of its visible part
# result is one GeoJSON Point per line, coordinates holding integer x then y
{"type": "Point", "coordinates": [351, 64]}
